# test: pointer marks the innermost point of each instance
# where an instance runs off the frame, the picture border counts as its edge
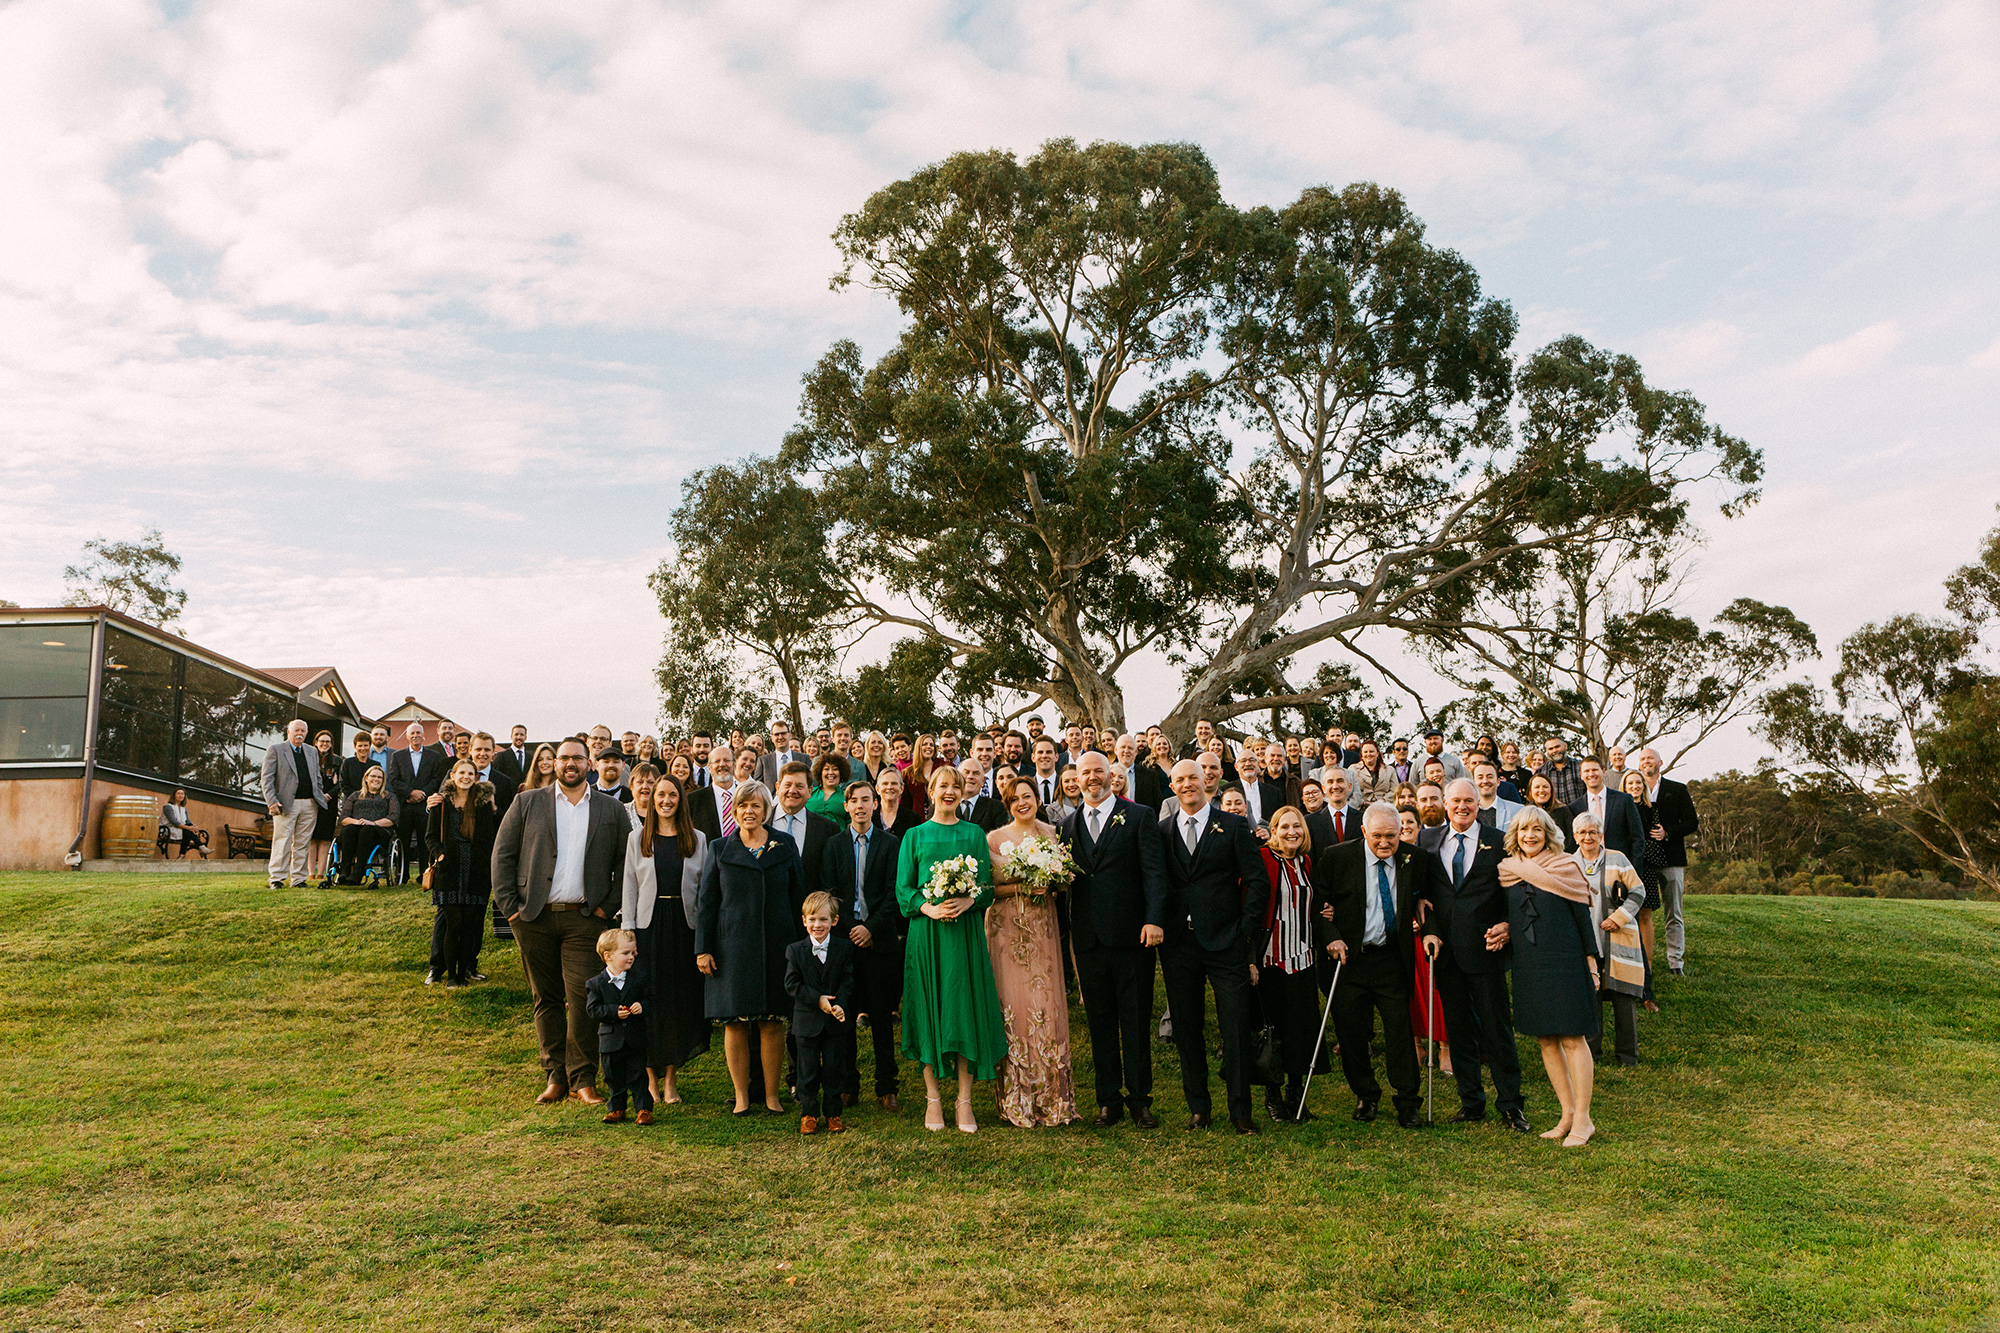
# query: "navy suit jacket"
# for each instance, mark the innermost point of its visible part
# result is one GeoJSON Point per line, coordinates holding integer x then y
{"type": "Point", "coordinates": [1465, 912]}
{"type": "Point", "coordinates": [601, 1000]}
{"type": "Point", "coordinates": [1121, 882]}
{"type": "Point", "coordinates": [836, 876]}
{"type": "Point", "coordinates": [1220, 894]}
{"type": "Point", "coordinates": [807, 979]}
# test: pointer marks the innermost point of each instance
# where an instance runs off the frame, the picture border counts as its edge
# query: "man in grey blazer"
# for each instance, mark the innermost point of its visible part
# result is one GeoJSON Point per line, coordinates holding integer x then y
{"type": "Point", "coordinates": [558, 878]}
{"type": "Point", "coordinates": [784, 750]}
{"type": "Point", "coordinates": [290, 780]}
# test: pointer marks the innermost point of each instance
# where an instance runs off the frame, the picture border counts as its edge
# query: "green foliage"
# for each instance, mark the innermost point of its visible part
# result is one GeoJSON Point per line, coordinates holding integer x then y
{"type": "Point", "coordinates": [1761, 826]}
{"type": "Point", "coordinates": [1910, 722]}
{"type": "Point", "coordinates": [915, 689]}
{"type": "Point", "coordinates": [1973, 591]}
{"type": "Point", "coordinates": [132, 578]}
{"type": "Point", "coordinates": [745, 599]}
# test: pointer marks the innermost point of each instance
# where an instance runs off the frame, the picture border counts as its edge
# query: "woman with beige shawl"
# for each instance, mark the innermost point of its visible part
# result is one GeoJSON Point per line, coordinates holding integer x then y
{"type": "Point", "coordinates": [1555, 964]}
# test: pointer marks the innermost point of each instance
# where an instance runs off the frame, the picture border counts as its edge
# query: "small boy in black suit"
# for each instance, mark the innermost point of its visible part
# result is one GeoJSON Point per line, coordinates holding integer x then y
{"type": "Point", "coordinates": [616, 998]}
{"type": "Point", "coordinates": [819, 976]}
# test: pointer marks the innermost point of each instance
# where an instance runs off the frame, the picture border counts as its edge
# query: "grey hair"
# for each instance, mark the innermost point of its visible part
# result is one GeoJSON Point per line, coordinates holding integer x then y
{"type": "Point", "coordinates": [1552, 834]}
{"type": "Point", "coordinates": [752, 790]}
{"type": "Point", "coordinates": [1380, 810]}
{"type": "Point", "coordinates": [1586, 819]}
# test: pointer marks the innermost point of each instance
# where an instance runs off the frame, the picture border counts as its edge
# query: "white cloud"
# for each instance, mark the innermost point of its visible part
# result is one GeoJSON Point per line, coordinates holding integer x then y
{"type": "Point", "coordinates": [1858, 351]}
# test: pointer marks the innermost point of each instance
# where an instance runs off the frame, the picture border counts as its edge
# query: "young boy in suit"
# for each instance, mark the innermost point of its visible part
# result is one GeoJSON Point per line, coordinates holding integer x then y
{"type": "Point", "coordinates": [616, 998]}
{"type": "Point", "coordinates": [819, 976]}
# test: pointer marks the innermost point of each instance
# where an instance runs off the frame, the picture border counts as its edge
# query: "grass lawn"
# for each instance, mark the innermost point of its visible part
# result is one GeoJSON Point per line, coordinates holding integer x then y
{"type": "Point", "coordinates": [227, 1107]}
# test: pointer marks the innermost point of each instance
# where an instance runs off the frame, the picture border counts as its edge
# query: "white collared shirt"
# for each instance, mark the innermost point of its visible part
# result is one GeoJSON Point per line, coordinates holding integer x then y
{"type": "Point", "coordinates": [1200, 818]}
{"type": "Point", "coordinates": [1103, 811]}
{"type": "Point", "coordinates": [617, 978]}
{"type": "Point", "coordinates": [1448, 848]}
{"type": "Point", "coordinates": [1376, 931]}
{"type": "Point", "coordinates": [1253, 796]}
{"type": "Point", "coordinates": [821, 946]}
{"type": "Point", "coordinates": [572, 833]}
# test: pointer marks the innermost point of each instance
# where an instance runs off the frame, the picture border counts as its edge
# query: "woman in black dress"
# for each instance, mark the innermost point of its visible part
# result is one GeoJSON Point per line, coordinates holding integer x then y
{"type": "Point", "coordinates": [459, 829]}
{"type": "Point", "coordinates": [663, 865]}
{"type": "Point", "coordinates": [1555, 964]}
{"type": "Point", "coordinates": [743, 921]}
{"type": "Point", "coordinates": [327, 826]}
{"type": "Point", "coordinates": [1651, 856]}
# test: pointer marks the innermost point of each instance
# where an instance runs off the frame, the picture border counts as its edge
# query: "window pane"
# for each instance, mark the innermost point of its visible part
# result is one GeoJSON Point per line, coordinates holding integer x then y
{"type": "Point", "coordinates": [135, 739]}
{"type": "Point", "coordinates": [210, 759]}
{"type": "Point", "coordinates": [138, 674]}
{"type": "Point", "coordinates": [44, 660]}
{"type": "Point", "coordinates": [41, 729]}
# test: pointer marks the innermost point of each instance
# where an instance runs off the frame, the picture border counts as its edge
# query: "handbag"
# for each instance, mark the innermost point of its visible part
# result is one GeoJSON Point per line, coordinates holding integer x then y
{"type": "Point", "coordinates": [1267, 1057]}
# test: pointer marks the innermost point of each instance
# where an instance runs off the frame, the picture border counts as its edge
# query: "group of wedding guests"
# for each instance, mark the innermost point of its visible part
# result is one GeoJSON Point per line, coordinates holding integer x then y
{"type": "Point", "coordinates": [792, 889]}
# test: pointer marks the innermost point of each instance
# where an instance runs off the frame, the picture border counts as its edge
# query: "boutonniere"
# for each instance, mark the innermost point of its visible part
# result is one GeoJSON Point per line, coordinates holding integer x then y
{"type": "Point", "coordinates": [1213, 828]}
{"type": "Point", "coordinates": [1118, 819]}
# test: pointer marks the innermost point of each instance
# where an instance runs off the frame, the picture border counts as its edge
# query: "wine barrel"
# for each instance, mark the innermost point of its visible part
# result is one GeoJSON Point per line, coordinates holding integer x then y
{"type": "Point", "coordinates": [130, 828]}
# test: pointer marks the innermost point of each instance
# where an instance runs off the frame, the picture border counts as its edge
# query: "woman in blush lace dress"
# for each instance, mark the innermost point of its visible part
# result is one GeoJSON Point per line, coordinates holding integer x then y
{"type": "Point", "coordinates": [1035, 1087]}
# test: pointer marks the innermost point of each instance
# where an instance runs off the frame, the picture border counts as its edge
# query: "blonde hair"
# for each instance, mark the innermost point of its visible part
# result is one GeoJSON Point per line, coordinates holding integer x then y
{"type": "Point", "coordinates": [1305, 829]}
{"type": "Point", "coordinates": [819, 902]}
{"type": "Point", "coordinates": [609, 941]}
{"type": "Point", "coordinates": [1552, 834]}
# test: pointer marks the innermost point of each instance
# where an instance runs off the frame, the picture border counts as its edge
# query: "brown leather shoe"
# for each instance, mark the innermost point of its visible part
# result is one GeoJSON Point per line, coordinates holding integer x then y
{"type": "Point", "coordinates": [808, 1124]}
{"type": "Point", "coordinates": [889, 1103]}
{"type": "Point", "coordinates": [552, 1094]}
{"type": "Point", "coordinates": [615, 1118]}
{"type": "Point", "coordinates": [833, 1126]}
{"type": "Point", "coordinates": [643, 1118]}
{"type": "Point", "coordinates": [588, 1094]}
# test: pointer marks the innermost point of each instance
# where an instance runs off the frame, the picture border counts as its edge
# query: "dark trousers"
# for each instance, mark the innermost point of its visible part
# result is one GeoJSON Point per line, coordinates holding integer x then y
{"type": "Point", "coordinates": [1289, 1002]}
{"type": "Point", "coordinates": [878, 989]}
{"type": "Point", "coordinates": [625, 1071]}
{"type": "Point", "coordinates": [1374, 982]}
{"type": "Point", "coordinates": [1625, 1020]}
{"type": "Point", "coordinates": [411, 831]}
{"type": "Point", "coordinates": [559, 953]}
{"type": "Point", "coordinates": [1188, 970]}
{"type": "Point", "coordinates": [358, 842]}
{"type": "Point", "coordinates": [823, 1069]}
{"type": "Point", "coordinates": [1117, 989]}
{"type": "Point", "coordinates": [1481, 1023]}
{"type": "Point", "coordinates": [456, 934]}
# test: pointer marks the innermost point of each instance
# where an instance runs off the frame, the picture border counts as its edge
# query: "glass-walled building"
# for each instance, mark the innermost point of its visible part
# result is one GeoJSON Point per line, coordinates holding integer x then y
{"type": "Point", "coordinates": [162, 713]}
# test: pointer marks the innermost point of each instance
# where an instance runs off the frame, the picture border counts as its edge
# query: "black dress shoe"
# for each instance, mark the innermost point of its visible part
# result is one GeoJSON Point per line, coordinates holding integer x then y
{"type": "Point", "coordinates": [1364, 1111]}
{"type": "Point", "coordinates": [1410, 1119]}
{"type": "Point", "coordinates": [1245, 1126]}
{"type": "Point", "coordinates": [1145, 1119]}
{"type": "Point", "coordinates": [1465, 1117]}
{"type": "Point", "coordinates": [1516, 1121]}
{"type": "Point", "coordinates": [1199, 1120]}
{"type": "Point", "coordinates": [1107, 1116]}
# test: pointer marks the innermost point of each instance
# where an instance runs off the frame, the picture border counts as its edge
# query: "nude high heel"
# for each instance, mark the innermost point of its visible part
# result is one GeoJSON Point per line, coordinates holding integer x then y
{"type": "Point", "coordinates": [966, 1123]}
{"type": "Point", "coordinates": [934, 1121]}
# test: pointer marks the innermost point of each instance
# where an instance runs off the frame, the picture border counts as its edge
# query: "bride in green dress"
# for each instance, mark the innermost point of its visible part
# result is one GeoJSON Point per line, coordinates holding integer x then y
{"type": "Point", "coordinates": [950, 1005]}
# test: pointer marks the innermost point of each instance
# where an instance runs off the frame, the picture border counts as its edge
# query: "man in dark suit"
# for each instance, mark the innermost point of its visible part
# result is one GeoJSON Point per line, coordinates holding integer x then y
{"type": "Point", "coordinates": [715, 801]}
{"type": "Point", "coordinates": [1118, 911]}
{"type": "Point", "coordinates": [1046, 776]}
{"type": "Point", "coordinates": [1624, 827]}
{"type": "Point", "coordinates": [414, 774]}
{"type": "Point", "coordinates": [558, 875]}
{"type": "Point", "coordinates": [1678, 822]}
{"type": "Point", "coordinates": [1204, 732]}
{"type": "Point", "coordinates": [1343, 819]}
{"type": "Point", "coordinates": [1373, 887]}
{"type": "Point", "coordinates": [1217, 897]}
{"type": "Point", "coordinates": [809, 832]}
{"type": "Point", "coordinates": [487, 760]}
{"type": "Point", "coordinates": [1470, 966]}
{"type": "Point", "coordinates": [858, 868]}
{"type": "Point", "coordinates": [512, 758]}
{"type": "Point", "coordinates": [985, 811]}
{"type": "Point", "coordinates": [819, 976]}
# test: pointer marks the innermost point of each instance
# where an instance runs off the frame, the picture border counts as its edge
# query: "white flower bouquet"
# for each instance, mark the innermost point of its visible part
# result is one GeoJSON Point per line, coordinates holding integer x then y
{"type": "Point", "coordinates": [957, 877]}
{"type": "Point", "coordinates": [1041, 863]}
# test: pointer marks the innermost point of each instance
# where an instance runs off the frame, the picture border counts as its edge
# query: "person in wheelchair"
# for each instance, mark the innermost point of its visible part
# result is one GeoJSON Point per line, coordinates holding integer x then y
{"type": "Point", "coordinates": [367, 825]}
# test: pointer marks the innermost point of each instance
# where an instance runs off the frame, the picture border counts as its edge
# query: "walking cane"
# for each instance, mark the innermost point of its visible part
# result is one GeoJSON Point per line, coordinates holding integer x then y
{"type": "Point", "coordinates": [1313, 1063]}
{"type": "Point", "coordinates": [1430, 1035]}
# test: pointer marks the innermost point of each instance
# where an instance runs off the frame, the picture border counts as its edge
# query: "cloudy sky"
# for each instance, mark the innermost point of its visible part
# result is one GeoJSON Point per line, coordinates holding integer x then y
{"type": "Point", "coordinates": [404, 320]}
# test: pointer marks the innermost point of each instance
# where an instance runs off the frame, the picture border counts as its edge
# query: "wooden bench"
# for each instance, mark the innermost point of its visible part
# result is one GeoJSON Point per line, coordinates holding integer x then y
{"type": "Point", "coordinates": [252, 842]}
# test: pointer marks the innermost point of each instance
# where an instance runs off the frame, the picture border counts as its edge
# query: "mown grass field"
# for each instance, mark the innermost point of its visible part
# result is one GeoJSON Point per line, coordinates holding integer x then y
{"type": "Point", "coordinates": [231, 1108]}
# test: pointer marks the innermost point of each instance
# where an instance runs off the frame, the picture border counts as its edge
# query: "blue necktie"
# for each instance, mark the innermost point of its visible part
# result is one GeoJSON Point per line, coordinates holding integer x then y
{"type": "Point", "coordinates": [1458, 863]}
{"type": "Point", "coordinates": [1388, 899]}
{"type": "Point", "coordinates": [860, 875]}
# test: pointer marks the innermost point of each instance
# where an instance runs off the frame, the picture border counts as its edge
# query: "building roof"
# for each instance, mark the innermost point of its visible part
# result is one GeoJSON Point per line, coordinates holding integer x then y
{"type": "Point", "coordinates": [297, 677]}
{"type": "Point", "coordinates": [411, 711]}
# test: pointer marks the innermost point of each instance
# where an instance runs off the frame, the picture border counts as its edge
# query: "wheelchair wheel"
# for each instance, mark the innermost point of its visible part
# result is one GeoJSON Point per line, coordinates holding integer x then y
{"type": "Point", "coordinates": [396, 861]}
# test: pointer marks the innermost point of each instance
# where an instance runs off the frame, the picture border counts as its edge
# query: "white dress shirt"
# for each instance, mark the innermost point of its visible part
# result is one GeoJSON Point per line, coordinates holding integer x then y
{"type": "Point", "coordinates": [1198, 820]}
{"type": "Point", "coordinates": [1103, 811]}
{"type": "Point", "coordinates": [795, 825]}
{"type": "Point", "coordinates": [1596, 800]}
{"type": "Point", "coordinates": [1253, 796]}
{"type": "Point", "coordinates": [1449, 847]}
{"type": "Point", "coordinates": [1376, 931]}
{"type": "Point", "coordinates": [572, 832]}
{"type": "Point", "coordinates": [820, 946]}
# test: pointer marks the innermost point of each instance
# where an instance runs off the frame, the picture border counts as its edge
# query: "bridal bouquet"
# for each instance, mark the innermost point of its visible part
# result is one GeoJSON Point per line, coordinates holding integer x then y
{"type": "Point", "coordinates": [954, 878]}
{"type": "Point", "coordinates": [1040, 862]}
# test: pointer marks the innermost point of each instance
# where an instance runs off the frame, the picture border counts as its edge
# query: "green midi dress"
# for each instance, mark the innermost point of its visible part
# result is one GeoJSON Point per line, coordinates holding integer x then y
{"type": "Point", "coordinates": [950, 1005]}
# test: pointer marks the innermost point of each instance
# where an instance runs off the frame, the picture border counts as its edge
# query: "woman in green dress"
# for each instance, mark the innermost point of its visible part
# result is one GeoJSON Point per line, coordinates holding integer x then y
{"type": "Point", "coordinates": [830, 773]}
{"type": "Point", "coordinates": [950, 1005]}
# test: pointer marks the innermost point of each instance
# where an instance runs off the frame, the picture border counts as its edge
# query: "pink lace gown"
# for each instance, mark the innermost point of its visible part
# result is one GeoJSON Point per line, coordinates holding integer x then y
{"type": "Point", "coordinates": [1034, 1087]}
